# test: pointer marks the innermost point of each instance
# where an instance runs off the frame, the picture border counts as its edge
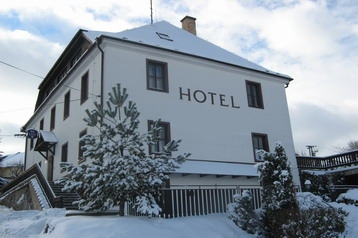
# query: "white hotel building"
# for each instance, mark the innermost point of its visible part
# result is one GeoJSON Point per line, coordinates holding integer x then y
{"type": "Point", "coordinates": [221, 106]}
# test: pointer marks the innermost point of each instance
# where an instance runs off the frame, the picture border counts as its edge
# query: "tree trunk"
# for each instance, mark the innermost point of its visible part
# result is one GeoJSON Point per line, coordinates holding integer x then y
{"type": "Point", "coordinates": [121, 207]}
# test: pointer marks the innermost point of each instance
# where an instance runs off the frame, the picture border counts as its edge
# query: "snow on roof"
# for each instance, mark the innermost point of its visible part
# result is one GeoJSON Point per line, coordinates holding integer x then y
{"type": "Point", "coordinates": [164, 35]}
{"type": "Point", "coordinates": [48, 136]}
{"type": "Point", "coordinates": [217, 168]}
{"type": "Point", "coordinates": [330, 171]}
{"type": "Point", "coordinates": [12, 160]}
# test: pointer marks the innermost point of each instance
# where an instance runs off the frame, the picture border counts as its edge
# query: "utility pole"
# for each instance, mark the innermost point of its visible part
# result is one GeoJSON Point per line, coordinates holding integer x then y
{"type": "Point", "coordinates": [151, 12]}
{"type": "Point", "coordinates": [312, 149]}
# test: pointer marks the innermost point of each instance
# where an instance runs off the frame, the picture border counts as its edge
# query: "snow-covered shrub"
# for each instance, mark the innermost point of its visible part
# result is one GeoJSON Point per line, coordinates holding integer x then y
{"type": "Point", "coordinates": [318, 218]}
{"type": "Point", "coordinates": [119, 169]}
{"type": "Point", "coordinates": [285, 213]}
{"type": "Point", "coordinates": [321, 184]}
{"type": "Point", "coordinates": [349, 197]}
{"type": "Point", "coordinates": [242, 212]}
{"type": "Point", "coordinates": [147, 205]}
{"type": "Point", "coordinates": [279, 205]}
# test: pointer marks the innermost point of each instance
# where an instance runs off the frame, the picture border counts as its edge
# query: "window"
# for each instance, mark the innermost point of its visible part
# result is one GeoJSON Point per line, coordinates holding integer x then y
{"type": "Point", "coordinates": [42, 124]}
{"type": "Point", "coordinates": [64, 152]}
{"type": "Point", "coordinates": [84, 87]}
{"type": "Point", "coordinates": [164, 36]}
{"type": "Point", "coordinates": [259, 142]}
{"type": "Point", "coordinates": [157, 76]}
{"type": "Point", "coordinates": [254, 94]}
{"type": "Point", "coordinates": [80, 144]}
{"type": "Point", "coordinates": [52, 120]}
{"type": "Point", "coordinates": [66, 105]}
{"type": "Point", "coordinates": [163, 135]}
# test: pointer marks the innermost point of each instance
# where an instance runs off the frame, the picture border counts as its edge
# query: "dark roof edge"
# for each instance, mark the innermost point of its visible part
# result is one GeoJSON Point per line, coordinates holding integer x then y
{"type": "Point", "coordinates": [59, 59]}
{"type": "Point", "coordinates": [59, 84]}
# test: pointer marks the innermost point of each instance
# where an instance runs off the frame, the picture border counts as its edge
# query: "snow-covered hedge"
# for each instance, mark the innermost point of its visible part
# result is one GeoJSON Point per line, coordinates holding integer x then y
{"type": "Point", "coordinates": [350, 197]}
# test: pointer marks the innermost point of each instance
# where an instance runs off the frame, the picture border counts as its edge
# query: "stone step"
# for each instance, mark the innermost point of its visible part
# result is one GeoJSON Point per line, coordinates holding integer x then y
{"type": "Point", "coordinates": [67, 197]}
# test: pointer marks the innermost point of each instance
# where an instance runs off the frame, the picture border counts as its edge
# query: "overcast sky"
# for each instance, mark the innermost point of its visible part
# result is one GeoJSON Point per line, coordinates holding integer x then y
{"type": "Point", "coordinates": [315, 42]}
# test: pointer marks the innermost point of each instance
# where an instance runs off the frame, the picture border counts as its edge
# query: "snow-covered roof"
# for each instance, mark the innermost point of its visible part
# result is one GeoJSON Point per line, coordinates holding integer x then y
{"type": "Point", "coordinates": [217, 168]}
{"type": "Point", "coordinates": [330, 171]}
{"type": "Point", "coordinates": [164, 35]}
{"type": "Point", "coordinates": [12, 160]}
{"type": "Point", "coordinates": [48, 136]}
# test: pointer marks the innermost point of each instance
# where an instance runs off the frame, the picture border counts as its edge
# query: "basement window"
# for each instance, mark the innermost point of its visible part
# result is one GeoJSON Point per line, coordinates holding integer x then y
{"type": "Point", "coordinates": [164, 36]}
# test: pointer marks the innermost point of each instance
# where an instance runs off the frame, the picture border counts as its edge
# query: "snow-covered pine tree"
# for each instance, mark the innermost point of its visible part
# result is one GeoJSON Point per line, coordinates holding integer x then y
{"type": "Point", "coordinates": [279, 205]}
{"type": "Point", "coordinates": [119, 169]}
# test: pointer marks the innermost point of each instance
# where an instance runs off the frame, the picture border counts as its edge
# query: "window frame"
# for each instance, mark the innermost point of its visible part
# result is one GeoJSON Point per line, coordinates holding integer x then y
{"type": "Point", "coordinates": [264, 142]}
{"type": "Point", "coordinates": [66, 105]}
{"type": "Point", "coordinates": [165, 140]}
{"type": "Point", "coordinates": [53, 118]}
{"type": "Point", "coordinates": [165, 81]}
{"type": "Point", "coordinates": [254, 94]}
{"type": "Point", "coordinates": [84, 87]}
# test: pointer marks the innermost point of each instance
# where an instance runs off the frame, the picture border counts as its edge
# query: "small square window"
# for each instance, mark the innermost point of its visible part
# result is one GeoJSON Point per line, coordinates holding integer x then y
{"type": "Point", "coordinates": [157, 76]}
{"type": "Point", "coordinates": [163, 135]}
{"type": "Point", "coordinates": [254, 94]}
{"type": "Point", "coordinates": [259, 142]}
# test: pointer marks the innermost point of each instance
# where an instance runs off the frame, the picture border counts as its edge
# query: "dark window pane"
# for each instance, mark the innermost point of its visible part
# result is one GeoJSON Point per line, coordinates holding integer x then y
{"type": "Point", "coordinates": [84, 88]}
{"type": "Point", "coordinates": [254, 94]}
{"type": "Point", "coordinates": [64, 153]}
{"type": "Point", "coordinates": [66, 106]}
{"type": "Point", "coordinates": [163, 137]}
{"type": "Point", "coordinates": [52, 119]}
{"type": "Point", "coordinates": [157, 76]}
{"type": "Point", "coordinates": [259, 142]}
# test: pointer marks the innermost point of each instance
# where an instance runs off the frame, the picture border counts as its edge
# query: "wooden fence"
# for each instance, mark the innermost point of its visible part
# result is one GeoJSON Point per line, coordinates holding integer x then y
{"type": "Point", "coordinates": [198, 200]}
{"type": "Point", "coordinates": [329, 162]}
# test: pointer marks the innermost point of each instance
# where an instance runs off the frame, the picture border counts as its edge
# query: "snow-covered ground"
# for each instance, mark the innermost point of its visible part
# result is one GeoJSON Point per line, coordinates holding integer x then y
{"type": "Point", "coordinates": [54, 223]}
{"type": "Point", "coordinates": [33, 224]}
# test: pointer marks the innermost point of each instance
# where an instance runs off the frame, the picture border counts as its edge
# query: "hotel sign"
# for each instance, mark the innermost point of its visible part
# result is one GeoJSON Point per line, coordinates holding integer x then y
{"type": "Point", "coordinates": [32, 134]}
{"type": "Point", "coordinates": [207, 97]}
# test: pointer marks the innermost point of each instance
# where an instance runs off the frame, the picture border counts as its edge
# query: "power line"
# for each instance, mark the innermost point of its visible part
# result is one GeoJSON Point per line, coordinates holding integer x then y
{"type": "Point", "coordinates": [14, 110]}
{"type": "Point", "coordinates": [12, 66]}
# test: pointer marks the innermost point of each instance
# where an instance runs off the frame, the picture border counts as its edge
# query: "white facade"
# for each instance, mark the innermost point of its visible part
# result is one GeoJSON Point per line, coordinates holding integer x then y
{"type": "Point", "coordinates": [206, 102]}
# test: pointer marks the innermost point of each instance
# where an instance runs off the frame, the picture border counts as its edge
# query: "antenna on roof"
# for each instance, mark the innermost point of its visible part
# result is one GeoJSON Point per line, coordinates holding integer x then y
{"type": "Point", "coordinates": [151, 12]}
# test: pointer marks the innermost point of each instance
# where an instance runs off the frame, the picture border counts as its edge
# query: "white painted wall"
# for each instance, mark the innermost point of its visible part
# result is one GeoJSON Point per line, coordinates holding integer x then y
{"type": "Point", "coordinates": [208, 132]}
{"type": "Point", "coordinates": [67, 130]}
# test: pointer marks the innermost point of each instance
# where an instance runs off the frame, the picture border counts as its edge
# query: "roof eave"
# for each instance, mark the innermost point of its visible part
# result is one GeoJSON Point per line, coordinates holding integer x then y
{"type": "Point", "coordinates": [285, 77]}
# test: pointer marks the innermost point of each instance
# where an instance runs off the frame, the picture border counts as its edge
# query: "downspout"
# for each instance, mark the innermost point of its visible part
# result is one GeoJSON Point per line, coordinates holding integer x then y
{"type": "Point", "coordinates": [98, 42]}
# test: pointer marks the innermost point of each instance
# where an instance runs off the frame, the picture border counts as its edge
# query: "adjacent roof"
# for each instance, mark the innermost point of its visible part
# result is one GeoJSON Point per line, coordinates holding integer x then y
{"type": "Point", "coordinates": [164, 35]}
{"type": "Point", "coordinates": [12, 160]}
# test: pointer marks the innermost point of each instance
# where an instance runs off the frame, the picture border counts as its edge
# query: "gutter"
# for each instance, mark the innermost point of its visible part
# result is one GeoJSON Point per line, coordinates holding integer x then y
{"type": "Point", "coordinates": [98, 42]}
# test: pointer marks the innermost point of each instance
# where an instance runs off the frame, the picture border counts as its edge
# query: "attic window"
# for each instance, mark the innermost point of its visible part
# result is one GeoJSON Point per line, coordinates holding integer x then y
{"type": "Point", "coordinates": [164, 36]}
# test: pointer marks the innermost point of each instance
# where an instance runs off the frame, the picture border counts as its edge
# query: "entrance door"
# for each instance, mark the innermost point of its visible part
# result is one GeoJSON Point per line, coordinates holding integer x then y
{"type": "Point", "coordinates": [50, 168]}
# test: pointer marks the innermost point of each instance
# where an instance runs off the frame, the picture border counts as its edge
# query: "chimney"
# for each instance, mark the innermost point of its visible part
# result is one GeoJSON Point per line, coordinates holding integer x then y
{"type": "Point", "coordinates": [188, 24]}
